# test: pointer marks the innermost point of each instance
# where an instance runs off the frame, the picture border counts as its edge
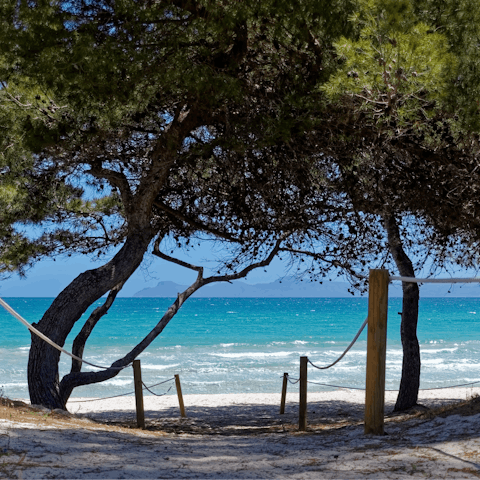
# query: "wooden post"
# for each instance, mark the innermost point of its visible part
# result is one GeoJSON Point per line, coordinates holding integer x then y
{"type": "Point", "coordinates": [137, 379]}
{"type": "Point", "coordinates": [180, 396]}
{"type": "Point", "coordinates": [302, 411]}
{"type": "Point", "coordinates": [376, 351]}
{"type": "Point", "coordinates": [284, 393]}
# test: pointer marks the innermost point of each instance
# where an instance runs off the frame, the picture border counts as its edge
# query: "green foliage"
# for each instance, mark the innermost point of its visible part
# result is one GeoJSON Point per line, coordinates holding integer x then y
{"type": "Point", "coordinates": [99, 91]}
{"type": "Point", "coordinates": [99, 94]}
{"type": "Point", "coordinates": [459, 22]}
{"type": "Point", "coordinates": [397, 67]}
{"type": "Point", "coordinates": [32, 194]}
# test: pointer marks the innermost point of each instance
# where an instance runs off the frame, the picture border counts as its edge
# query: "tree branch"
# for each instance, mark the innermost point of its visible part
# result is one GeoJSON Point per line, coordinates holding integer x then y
{"type": "Point", "coordinates": [76, 379]}
{"type": "Point", "coordinates": [163, 256]}
{"type": "Point", "coordinates": [96, 315]}
{"type": "Point", "coordinates": [116, 179]}
{"type": "Point", "coordinates": [197, 225]}
{"type": "Point", "coordinates": [318, 256]}
{"type": "Point", "coordinates": [243, 273]}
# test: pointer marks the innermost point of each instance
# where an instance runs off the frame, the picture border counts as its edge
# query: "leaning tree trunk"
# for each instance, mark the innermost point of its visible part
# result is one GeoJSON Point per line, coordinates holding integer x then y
{"type": "Point", "coordinates": [67, 308]}
{"type": "Point", "coordinates": [410, 382]}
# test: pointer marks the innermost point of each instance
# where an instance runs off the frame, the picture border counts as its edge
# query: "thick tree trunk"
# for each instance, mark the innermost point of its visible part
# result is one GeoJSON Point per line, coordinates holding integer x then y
{"type": "Point", "coordinates": [410, 382]}
{"type": "Point", "coordinates": [67, 308]}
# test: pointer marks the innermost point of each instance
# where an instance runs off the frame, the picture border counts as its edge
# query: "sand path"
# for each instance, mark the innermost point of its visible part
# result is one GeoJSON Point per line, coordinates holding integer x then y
{"type": "Point", "coordinates": [240, 436]}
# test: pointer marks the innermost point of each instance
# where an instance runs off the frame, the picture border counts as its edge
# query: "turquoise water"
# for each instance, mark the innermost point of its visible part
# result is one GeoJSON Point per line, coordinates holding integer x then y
{"type": "Point", "coordinates": [237, 345]}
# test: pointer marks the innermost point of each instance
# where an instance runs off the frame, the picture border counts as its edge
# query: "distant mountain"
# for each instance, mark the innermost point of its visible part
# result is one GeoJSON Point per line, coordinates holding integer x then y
{"type": "Point", "coordinates": [296, 289]}
{"type": "Point", "coordinates": [51, 285]}
{"type": "Point", "coordinates": [279, 288]}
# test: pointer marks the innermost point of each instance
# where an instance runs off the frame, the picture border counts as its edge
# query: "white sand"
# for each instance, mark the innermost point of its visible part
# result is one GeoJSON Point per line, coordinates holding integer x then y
{"type": "Point", "coordinates": [243, 436]}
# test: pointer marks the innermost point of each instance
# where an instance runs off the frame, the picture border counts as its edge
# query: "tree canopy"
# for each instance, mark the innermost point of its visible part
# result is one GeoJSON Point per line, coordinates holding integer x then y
{"type": "Point", "coordinates": [315, 124]}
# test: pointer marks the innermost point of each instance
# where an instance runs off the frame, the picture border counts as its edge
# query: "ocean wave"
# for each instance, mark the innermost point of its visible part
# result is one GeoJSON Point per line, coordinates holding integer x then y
{"type": "Point", "coordinates": [193, 382]}
{"type": "Point", "coordinates": [159, 367]}
{"type": "Point", "coordinates": [14, 385]}
{"type": "Point", "coordinates": [452, 367]}
{"type": "Point", "coordinates": [438, 350]}
{"type": "Point", "coordinates": [337, 353]}
{"type": "Point", "coordinates": [118, 382]}
{"type": "Point", "coordinates": [252, 354]}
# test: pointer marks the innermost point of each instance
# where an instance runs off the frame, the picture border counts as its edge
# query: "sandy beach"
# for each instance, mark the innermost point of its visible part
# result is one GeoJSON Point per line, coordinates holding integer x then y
{"type": "Point", "coordinates": [241, 436]}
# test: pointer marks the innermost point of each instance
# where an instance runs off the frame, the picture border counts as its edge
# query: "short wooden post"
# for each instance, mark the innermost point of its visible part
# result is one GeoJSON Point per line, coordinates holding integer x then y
{"type": "Point", "coordinates": [137, 378]}
{"type": "Point", "coordinates": [284, 393]}
{"type": "Point", "coordinates": [302, 411]}
{"type": "Point", "coordinates": [180, 396]}
{"type": "Point", "coordinates": [376, 351]}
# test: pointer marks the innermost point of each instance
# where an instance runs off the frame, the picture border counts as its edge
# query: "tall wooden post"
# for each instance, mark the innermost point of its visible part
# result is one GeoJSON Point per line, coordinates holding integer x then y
{"type": "Point", "coordinates": [284, 393]}
{"type": "Point", "coordinates": [180, 396]}
{"type": "Point", "coordinates": [302, 411]}
{"type": "Point", "coordinates": [376, 351]}
{"type": "Point", "coordinates": [137, 379]}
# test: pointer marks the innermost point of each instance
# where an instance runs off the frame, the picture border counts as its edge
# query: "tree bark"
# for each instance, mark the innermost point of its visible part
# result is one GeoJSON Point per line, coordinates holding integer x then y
{"type": "Point", "coordinates": [66, 310]}
{"type": "Point", "coordinates": [410, 381]}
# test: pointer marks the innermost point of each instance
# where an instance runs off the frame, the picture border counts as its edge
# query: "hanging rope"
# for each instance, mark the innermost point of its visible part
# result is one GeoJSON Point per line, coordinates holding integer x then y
{"type": "Point", "coordinates": [346, 350]}
{"type": "Point", "coordinates": [10, 310]}
{"type": "Point", "coordinates": [128, 393]}
{"type": "Point", "coordinates": [420, 389]}
{"type": "Point", "coordinates": [157, 394]}
{"type": "Point", "coordinates": [435, 280]}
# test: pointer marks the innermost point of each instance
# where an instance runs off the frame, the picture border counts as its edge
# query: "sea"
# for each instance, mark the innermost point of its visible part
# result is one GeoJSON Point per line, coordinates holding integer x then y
{"type": "Point", "coordinates": [245, 345]}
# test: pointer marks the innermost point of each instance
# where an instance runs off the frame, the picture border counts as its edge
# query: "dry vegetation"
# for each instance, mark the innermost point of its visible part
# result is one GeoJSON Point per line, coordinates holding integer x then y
{"type": "Point", "coordinates": [467, 407]}
{"type": "Point", "coordinates": [20, 412]}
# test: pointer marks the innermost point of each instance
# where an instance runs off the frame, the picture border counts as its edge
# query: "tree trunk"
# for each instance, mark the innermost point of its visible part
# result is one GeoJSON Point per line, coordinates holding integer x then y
{"type": "Point", "coordinates": [67, 308]}
{"type": "Point", "coordinates": [410, 382]}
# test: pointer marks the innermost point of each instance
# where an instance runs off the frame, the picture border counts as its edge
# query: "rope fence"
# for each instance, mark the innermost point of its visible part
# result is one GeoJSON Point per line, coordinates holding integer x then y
{"type": "Point", "coordinates": [376, 353]}
{"type": "Point", "coordinates": [303, 390]}
{"type": "Point", "coordinates": [140, 386]}
{"type": "Point", "coordinates": [394, 390]}
{"type": "Point", "coordinates": [129, 393]}
{"type": "Point", "coordinates": [346, 350]}
{"type": "Point", "coordinates": [158, 394]}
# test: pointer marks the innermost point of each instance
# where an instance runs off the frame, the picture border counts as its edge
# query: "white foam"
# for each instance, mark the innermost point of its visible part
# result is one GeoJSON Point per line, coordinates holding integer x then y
{"type": "Point", "coordinates": [253, 354]}
{"type": "Point", "coordinates": [159, 367]}
{"type": "Point", "coordinates": [118, 382]}
{"type": "Point", "coordinates": [14, 385]}
{"type": "Point", "coordinates": [438, 350]}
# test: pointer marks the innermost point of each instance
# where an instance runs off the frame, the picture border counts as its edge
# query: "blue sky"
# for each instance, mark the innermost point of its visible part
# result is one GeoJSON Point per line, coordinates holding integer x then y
{"type": "Point", "coordinates": [47, 278]}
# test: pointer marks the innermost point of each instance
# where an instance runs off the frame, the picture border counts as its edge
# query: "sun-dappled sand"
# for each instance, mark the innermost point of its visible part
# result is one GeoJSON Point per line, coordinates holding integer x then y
{"type": "Point", "coordinates": [242, 436]}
